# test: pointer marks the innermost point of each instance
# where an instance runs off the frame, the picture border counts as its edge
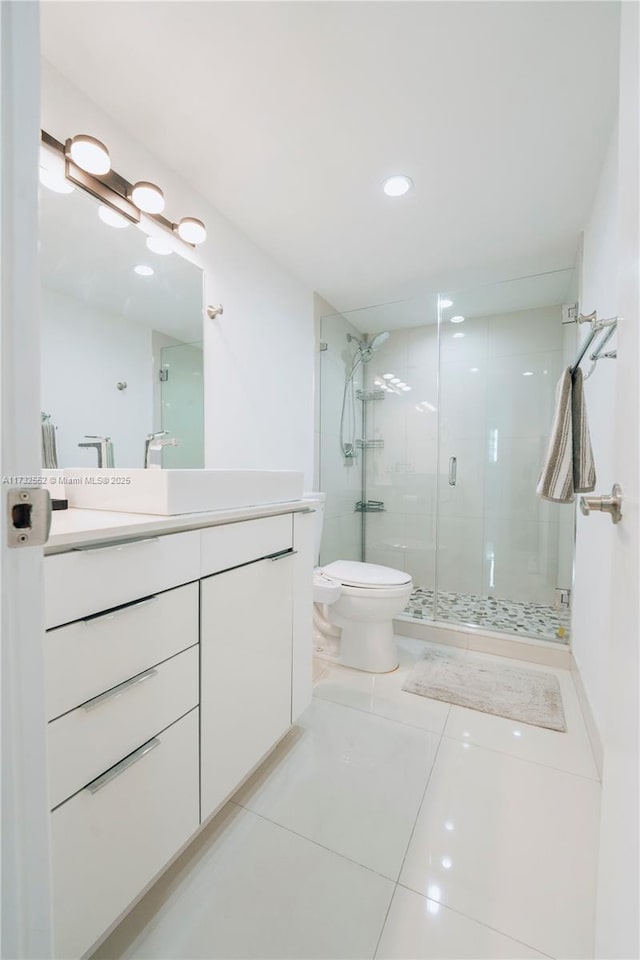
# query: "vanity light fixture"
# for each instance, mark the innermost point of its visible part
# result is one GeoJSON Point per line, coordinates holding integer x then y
{"type": "Point", "coordinates": [55, 181]}
{"type": "Point", "coordinates": [111, 217]}
{"type": "Point", "coordinates": [192, 230]}
{"type": "Point", "coordinates": [89, 153]}
{"type": "Point", "coordinates": [147, 197]}
{"type": "Point", "coordinates": [143, 270]}
{"type": "Point", "coordinates": [457, 319]}
{"type": "Point", "coordinates": [397, 185]}
{"type": "Point", "coordinates": [88, 165]}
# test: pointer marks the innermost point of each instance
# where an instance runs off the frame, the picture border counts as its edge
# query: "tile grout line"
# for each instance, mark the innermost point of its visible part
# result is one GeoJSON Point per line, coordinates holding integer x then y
{"type": "Point", "coordinates": [379, 716]}
{"type": "Point", "coordinates": [480, 923]}
{"type": "Point", "coordinates": [513, 756]}
{"type": "Point", "coordinates": [413, 829]}
{"type": "Point", "coordinates": [316, 843]}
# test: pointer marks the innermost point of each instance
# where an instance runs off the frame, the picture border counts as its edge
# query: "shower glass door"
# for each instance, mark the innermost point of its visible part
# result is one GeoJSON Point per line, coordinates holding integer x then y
{"type": "Point", "coordinates": [504, 556]}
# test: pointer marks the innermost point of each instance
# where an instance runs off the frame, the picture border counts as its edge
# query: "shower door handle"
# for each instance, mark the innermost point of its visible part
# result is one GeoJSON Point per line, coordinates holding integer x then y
{"type": "Point", "coordinates": [453, 471]}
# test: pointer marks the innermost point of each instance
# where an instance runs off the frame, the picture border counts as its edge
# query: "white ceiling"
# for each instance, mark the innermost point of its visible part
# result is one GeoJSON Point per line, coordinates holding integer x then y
{"type": "Point", "coordinates": [288, 116]}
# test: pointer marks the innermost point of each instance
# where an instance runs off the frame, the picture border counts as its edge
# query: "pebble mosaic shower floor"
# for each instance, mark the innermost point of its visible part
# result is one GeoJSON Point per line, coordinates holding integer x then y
{"type": "Point", "coordinates": [529, 619]}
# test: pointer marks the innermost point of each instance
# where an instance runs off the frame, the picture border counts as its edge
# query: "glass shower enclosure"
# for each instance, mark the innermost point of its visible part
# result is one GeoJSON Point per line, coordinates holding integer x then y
{"type": "Point", "coordinates": [431, 442]}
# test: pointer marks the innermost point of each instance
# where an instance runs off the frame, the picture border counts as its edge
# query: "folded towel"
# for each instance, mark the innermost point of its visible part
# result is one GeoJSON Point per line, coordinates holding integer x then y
{"type": "Point", "coordinates": [568, 467]}
{"type": "Point", "coordinates": [49, 452]}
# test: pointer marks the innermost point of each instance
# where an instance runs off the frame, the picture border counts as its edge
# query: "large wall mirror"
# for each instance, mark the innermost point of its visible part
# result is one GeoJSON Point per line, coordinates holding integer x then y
{"type": "Point", "coordinates": [121, 337]}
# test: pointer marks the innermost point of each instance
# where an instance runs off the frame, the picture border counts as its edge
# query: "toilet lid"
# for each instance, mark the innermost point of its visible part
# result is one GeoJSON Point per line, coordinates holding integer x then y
{"type": "Point", "coordinates": [354, 574]}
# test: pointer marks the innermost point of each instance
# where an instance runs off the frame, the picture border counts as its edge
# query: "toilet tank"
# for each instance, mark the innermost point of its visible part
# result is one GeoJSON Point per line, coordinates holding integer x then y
{"type": "Point", "coordinates": [318, 506]}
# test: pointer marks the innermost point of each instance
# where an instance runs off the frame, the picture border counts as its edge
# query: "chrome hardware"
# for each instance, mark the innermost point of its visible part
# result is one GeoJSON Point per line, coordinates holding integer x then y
{"type": "Point", "coordinates": [121, 385]}
{"type": "Point", "coordinates": [217, 311]}
{"type": "Point", "coordinates": [120, 545]}
{"type": "Point", "coordinates": [113, 614]}
{"type": "Point", "coordinates": [154, 442]}
{"type": "Point", "coordinates": [307, 510]}
{"type": "Point", "coordinates": [453, 471]}
{"type": "Point", "coordinates": [119, 690]}
{"type": "Point", "coordinates": [122, 766]}
{"type": "Point", "coordinates": [370, 444]}
{"type": "Point", "coordinates": [611, 505]}
{"type": "Point", "coordinates": [323, 346]}
{"type": "Point", "coordinates": [281, 554]}
{"type": "Point", "coordinates": [370, 506]}
{"type": "Point", "coordinates": [367, 395]}
{"type": "Point", "coordinates": [104, 447]}
{"type": "Point", "coordinates": [28, 516]}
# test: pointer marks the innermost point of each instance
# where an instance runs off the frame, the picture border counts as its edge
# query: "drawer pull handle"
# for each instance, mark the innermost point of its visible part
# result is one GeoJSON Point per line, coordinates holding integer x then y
{"type": "Point", "coordinates": [114, 614]}
{"type": "Point", "coordinates": [281, 554]}
{"type": "Point", "coordinates": [120, 689]}
{"type": "Point", "coordinates": [307, 510]}
{"type": "Point", "coordinates": [122, 766]}
{"type": "Point", "coordinates": [125, 545]}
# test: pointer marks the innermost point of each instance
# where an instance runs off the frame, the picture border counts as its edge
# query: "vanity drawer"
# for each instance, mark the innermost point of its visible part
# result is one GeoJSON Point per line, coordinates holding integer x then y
{"type": "Point", "coordinates": [89, 656]}
{"type": "Point", "coordinates": [87, 580]}
{"type": "Point", "coordinates": [111, 839]}
{"type": "Point", "coordinates": [87, 741]}
{"type": "Point", "coordinates": [233, 544]}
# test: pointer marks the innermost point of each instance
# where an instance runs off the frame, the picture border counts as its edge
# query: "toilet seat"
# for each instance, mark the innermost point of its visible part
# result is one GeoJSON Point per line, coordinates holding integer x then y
{"type": "Point", "coordinates": [369, 576]}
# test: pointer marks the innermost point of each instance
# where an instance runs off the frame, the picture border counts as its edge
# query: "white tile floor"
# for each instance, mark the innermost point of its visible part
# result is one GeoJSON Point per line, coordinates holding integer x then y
{"type": "Point", "coordinates": [388, 825]}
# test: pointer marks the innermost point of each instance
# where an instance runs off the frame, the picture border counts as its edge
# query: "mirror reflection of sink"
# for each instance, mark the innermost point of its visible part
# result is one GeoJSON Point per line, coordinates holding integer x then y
{"type": "Point", "coordinates": [170, 492]}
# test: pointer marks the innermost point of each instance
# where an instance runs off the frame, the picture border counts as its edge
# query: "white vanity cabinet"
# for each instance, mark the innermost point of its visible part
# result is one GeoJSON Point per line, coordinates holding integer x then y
{"type": "Point", "coordinates": [173, 665]}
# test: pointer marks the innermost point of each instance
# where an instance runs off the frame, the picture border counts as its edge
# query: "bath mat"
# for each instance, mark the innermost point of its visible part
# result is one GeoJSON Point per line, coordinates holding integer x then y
{"type": "Point", "coordinates": [529, 696]}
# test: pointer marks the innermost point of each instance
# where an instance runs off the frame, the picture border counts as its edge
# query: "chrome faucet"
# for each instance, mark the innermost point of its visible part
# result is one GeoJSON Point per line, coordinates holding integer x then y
{"type": "Point", "coordinates": [104, 446]}
{"type": "Point", "coordinates": [153, 444]}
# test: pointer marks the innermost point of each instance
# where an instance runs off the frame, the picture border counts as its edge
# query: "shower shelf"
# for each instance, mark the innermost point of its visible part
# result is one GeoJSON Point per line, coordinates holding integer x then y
{"type": "Point", "coordinates": [370, 444]}
{"type": "Point", "coordinates": [368, 395]}
{"type": "Point", "coordinates": [370, 506]}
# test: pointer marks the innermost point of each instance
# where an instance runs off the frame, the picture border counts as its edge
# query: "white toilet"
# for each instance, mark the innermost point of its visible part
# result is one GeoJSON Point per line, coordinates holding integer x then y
{"type": "Point", "coordinates": [354, 606]}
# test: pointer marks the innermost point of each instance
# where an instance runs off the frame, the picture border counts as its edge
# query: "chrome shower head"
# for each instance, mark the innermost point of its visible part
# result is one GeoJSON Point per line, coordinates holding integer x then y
{"type": "Point", "coordinates": [378, 340]}
{"type": "Point", "coordinates": [368, 347]}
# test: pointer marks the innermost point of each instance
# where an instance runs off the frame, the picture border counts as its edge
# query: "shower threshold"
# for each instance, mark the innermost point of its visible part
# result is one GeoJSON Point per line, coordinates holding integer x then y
{"type": "Point", "coordinates": [535, 621]}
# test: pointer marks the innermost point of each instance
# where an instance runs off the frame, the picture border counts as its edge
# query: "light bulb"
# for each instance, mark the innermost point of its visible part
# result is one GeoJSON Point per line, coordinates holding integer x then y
{"type": "Point", "coordinates": [159, 245]}
{"type": "Point", "coordinates": [397, 186]}
{"type": "Point", "coordinates": [147, 197]}
{"type": "Point", "coordinates": [112, 218]}
{"type": "Point", "coordinates": [192, 230]}
{"type": "Point", "coordinates": [90, 154]}
{"type": "Point", "coordinates": [143, 271]}
{"type": "Point", "coordinates": [55, 181]}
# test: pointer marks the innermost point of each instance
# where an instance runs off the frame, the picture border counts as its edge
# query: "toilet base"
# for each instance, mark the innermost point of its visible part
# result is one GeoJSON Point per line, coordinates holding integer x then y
{"type": "Point", "coordinates": [368, 646]}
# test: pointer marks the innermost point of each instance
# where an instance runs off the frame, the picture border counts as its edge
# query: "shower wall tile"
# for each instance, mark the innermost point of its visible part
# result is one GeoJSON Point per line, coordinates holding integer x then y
{"type": "Point", "coordinates": [521, 560]}
{"type": "Point", "coordinates": [385, 539]}
{"type": "Point", "coordinates": [525, 331]}
{"type": "Point", "coordinates": [463, 401]}
{"type": "Point", "coordinates": [519, 405]}
{"type": "Point", "coordinates": [460, 555]}
{"type": "Point", "coordinates": [470, 349]}
{"type": "Point", "coordinates": [512, 471]}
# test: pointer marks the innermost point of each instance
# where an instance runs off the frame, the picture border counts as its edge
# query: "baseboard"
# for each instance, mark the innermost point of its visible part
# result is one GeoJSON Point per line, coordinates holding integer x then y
{"type": "Point", "coordinates": [589, 719]}
{"type": "Point", "coordinates": [543, 652]}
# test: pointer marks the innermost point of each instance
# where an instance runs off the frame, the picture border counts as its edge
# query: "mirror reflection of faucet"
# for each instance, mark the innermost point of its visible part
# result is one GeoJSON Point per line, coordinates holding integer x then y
{"type": "Point", "coordinates": [153, 445]}
{"type": "Point", "coordinates": [104, 446]}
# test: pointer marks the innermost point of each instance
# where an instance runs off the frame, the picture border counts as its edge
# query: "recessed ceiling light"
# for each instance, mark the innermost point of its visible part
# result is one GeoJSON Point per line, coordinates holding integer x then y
{"type": "Point", "coordinates": [446, 303]}
{"type": "Point", "coordinates": [192, 230]}
{"type": "Point", "coordinates": [111, 217]}
{"type": "Point", "coordinates": [397, 186]}
{"type": "Point", "coordinates": [457, 319]}
{"type": "Point", "coordinates": [147, 197]}
{"type": "Point", "coordinates": [55, 181]}
{"type": "Point", "coordinates": [458, 336]}
{"type": "Point", "coordinates": [528, 373]}
{"type": "Point", "coordinates": [159, 245]}
{"type": "Point", "coordinates": [387, 376]}
{"type": "Point", "coordinates": [143, 271]}
{"type": "Point", "coordinates": [90, 154]}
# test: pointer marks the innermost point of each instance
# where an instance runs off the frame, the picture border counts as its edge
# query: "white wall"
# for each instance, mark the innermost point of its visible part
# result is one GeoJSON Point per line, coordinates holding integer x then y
{"type": "Point", "coordinates": [259, 354]}
{"type": "Point", "coordinates": [592, 594]}
{"type": "Point", "coordinates": [85, 352]}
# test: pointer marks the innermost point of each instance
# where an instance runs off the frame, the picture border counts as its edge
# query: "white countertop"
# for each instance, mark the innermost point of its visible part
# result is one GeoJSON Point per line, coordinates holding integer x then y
{"type": "Point", "coordinates": [74, 527]}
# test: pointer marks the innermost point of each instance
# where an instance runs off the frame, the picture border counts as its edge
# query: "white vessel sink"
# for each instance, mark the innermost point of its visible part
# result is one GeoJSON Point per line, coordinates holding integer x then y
{"type": "Point", "coordinates": [170, 492]}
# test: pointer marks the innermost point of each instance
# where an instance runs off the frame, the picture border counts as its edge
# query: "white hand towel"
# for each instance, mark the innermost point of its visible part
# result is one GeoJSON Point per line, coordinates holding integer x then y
{"type": "Point", "coordinates": [568, 467]}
